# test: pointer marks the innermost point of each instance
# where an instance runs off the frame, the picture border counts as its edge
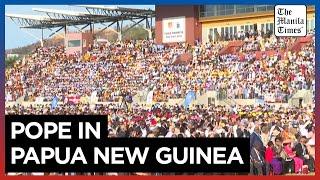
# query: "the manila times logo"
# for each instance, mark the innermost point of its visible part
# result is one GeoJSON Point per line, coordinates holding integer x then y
{"type": "Point", "coordinates": [290, 20]}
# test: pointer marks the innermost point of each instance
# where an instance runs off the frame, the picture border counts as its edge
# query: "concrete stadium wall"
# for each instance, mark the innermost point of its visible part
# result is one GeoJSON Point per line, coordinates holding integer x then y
{"type": "Point", "coordinates": [306, 95]}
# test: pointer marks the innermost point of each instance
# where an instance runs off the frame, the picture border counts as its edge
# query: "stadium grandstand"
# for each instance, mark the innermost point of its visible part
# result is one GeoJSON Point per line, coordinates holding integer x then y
{"type": "Point", "coordinates": [195, 78]}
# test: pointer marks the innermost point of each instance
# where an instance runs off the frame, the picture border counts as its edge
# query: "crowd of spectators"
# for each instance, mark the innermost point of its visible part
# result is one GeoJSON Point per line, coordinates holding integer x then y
{"type": "Point", "coordinates": [282, 139]}
{"type": "Point", "coordinates": [282, 135]}
{"type": "Point", "coordinates": [113, 69]}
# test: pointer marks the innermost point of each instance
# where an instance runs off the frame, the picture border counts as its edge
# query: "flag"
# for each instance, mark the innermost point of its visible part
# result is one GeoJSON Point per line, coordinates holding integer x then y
{"type": "Point", "coordinates": [260, 101]}
{"type": "Point", "coordinates": [93, 97]}
{"type": "Point", "coordinates": [150, 97]}
{"type": "Point", "coordinates": [73, 99]}
{"type": "Point", "coordinates": [189, 98]}
{"type": "Point", "coordinates": [54, 102]}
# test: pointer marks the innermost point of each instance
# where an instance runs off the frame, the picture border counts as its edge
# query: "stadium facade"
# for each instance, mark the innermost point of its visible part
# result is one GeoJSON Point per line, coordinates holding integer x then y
{"type": "Point", "coordinates": [215, 22]}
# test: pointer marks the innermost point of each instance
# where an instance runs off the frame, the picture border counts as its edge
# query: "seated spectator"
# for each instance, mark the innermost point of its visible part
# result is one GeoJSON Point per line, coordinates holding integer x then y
{"type": "Point", "coordinates": [298, 163]}
{"type": "Point", "coordinates": [302, 153]}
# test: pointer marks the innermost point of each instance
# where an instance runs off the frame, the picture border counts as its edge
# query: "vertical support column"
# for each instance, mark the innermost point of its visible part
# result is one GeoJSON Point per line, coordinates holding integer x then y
{"type": "Point", "coordinates": [65, 35]}
{"type": "Point", "coordinates": [119, 36]}
{"type": "Point", "coordinates": [119, 30]}
{"type": "Point", "coordinates": [41, 41]}
{"type": "Point", "coordinates": [65, 31]}
{"type": "Point", "coordinates": [92, 28]}
{"type": "Point", "coordinates": [258, 27]}
{"type": "Point", "coordinates": [149, 28]}
{"type": "Point", "coordinates": [149, 34]}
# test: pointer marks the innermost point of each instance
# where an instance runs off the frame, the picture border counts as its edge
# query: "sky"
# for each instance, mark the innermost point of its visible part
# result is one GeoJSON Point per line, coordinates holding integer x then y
{"type": "Point", "coordinates": [16, 37]}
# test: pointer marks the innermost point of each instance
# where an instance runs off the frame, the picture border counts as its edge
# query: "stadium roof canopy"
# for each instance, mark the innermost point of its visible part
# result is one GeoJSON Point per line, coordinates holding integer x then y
{"type": "Point", "coordinates": [54, 18]}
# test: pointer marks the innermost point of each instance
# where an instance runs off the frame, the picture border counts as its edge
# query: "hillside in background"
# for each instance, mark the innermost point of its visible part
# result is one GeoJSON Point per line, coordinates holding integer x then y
{"type": "Point", "coordinates": [57, 40]}
{"type": "Point", "coordinates": [135, 33]}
